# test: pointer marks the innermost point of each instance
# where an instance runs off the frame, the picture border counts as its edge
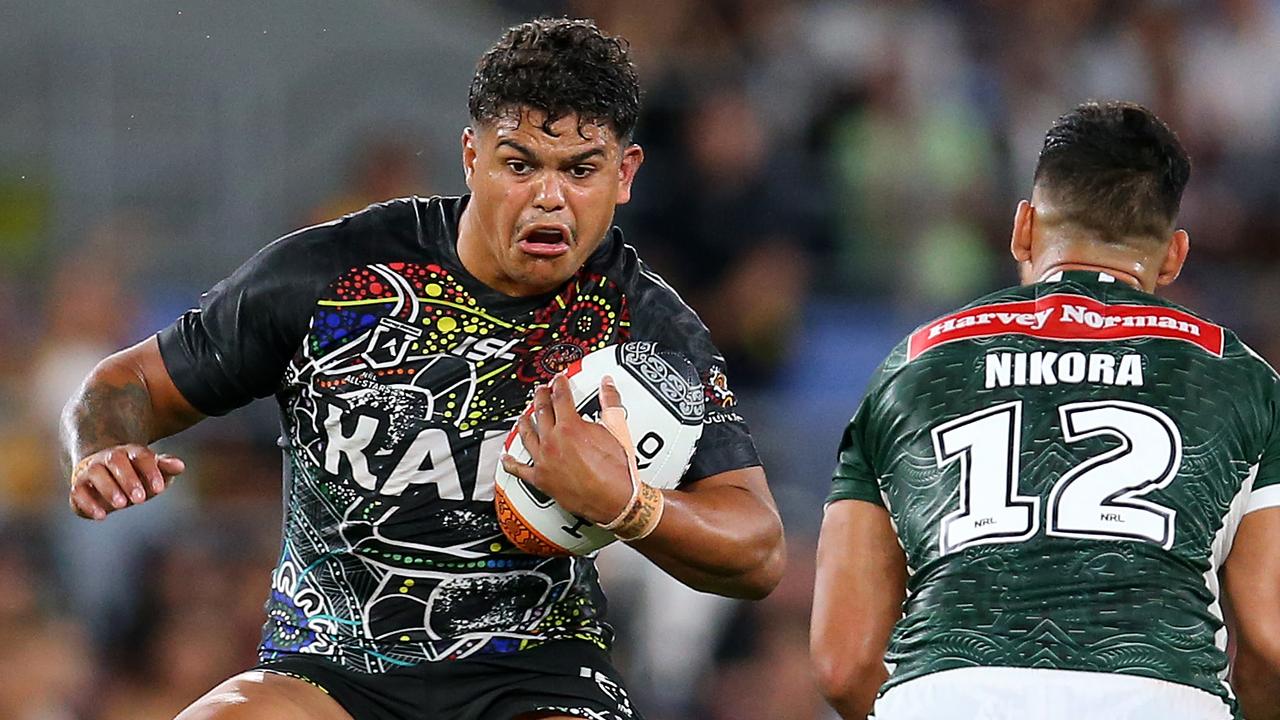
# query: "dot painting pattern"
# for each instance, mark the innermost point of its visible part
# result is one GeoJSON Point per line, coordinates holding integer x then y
{"type": "Point", "coordinates": [404, 377]}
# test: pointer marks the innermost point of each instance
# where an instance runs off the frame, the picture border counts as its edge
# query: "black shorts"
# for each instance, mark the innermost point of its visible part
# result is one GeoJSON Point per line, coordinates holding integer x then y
{"type": "Point", "coordinates": [569, 677]}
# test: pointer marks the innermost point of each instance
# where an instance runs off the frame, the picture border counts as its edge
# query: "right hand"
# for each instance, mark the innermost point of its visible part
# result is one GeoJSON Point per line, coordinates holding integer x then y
{"type": "Point", "coordinates": [120, 476]}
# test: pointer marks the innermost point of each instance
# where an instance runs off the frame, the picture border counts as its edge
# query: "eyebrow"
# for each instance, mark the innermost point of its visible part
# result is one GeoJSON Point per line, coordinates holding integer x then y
{"type": "Point", "coordinates": [580, 157]}
{"type": "Point", "coordinates": [586, 155]}
{"type": "Point", "coordinates": [517, 146]}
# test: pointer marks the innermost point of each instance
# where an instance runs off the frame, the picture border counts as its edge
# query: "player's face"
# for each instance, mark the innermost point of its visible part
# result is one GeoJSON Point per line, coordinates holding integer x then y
{"type": "Point", "coordinates": [541, 202]}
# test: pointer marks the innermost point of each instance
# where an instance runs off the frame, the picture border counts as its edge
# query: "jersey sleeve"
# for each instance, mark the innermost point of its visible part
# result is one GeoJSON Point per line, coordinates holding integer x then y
{"type": "Point", "coordinates": [235, 346]}
{"type": "Point", "coordinates": [855, 477]}
{"type": "Point", "coordinates": [659, 315]}
{"type": "Point", "coordinates": [726, 442]}
{"type": "Point", "coordinates": [1266, 483]}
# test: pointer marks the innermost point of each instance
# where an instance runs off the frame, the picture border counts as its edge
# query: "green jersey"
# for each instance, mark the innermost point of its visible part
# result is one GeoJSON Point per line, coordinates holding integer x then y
{"type": "Point", "coordinates": [1065, 464]}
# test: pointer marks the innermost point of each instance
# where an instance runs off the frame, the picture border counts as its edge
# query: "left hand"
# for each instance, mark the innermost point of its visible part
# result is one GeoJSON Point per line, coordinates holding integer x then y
{"type": "Point", "coordinates": [580, 464]}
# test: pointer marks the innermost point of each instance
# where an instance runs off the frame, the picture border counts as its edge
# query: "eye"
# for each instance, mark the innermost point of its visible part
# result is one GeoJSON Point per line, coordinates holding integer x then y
{"type": "Point", "coordinates": [581, 171]}
{"type": "Point", "coordinates": [519, 167]}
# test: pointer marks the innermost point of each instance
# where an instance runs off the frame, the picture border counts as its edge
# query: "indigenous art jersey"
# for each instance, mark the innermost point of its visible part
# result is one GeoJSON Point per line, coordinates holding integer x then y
{"type": "Point", "coordinates": [398, 375]}
{"type": "Point", "coordinates": [1066, 464]}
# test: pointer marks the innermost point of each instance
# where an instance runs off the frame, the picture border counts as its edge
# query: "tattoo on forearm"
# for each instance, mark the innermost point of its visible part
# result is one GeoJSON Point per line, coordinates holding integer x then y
{"type": "Point", "coordinates": [107, 414]}
{"type": "Point", "coordinates": [643, 516]}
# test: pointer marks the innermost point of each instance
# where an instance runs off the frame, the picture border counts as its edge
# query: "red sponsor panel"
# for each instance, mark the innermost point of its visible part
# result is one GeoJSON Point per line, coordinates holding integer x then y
{"type": "Point", "coordinates": [1070, 318]}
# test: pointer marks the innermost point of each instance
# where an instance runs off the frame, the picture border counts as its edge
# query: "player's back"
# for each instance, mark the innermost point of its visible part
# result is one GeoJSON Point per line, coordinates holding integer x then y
{"type": "Point", "coordinates": [1065, 464]}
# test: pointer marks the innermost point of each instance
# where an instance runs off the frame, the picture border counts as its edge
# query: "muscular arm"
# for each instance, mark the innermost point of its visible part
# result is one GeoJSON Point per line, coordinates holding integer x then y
{"type": "Point", "coordinates": [1251, 578]}
{"type": "Point", "coordinates": [722, 535]}
{"type": "Point", "coordinates": [128, 398]}
{"type": "Point", "coordinates": [858, 594]}
{"type": "Point", "coordinates": [126, 402]}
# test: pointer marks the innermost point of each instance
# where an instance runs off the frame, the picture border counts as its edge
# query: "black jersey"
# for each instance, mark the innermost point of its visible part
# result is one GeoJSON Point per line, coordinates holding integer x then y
{"type": "Point", "coordinates": [398, 374]}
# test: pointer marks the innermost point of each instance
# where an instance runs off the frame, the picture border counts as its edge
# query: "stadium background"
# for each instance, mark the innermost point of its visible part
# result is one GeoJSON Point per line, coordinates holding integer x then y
{"type": "Point", "coordinates": [820, 177]}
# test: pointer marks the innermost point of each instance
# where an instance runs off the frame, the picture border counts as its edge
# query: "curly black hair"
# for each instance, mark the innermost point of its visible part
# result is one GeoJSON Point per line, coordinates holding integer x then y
{"type": "Point", "coordinates": [560, 67]}
{"type": "Point", "coordinates": [1115, 169]}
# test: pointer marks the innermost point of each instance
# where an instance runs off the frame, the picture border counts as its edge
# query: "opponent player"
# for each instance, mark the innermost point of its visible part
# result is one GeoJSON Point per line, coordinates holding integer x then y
{"type": "Point", "coordinates": [1033, 502]}
{"type": "Point", "coordinates": [401, 343]}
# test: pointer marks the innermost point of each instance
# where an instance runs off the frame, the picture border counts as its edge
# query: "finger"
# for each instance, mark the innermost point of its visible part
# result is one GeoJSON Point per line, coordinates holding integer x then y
{"type": "Point", "coordinates": [543, 413]}
{"type": "Point", "coordinates": [170, 465]}
{"type": "Point", "coordinates": [614, 416]}
{"type": "Point", "coordinates": [147, 464]}
{"type": "Point", "coordinates": [87, 504]}
{"type": "Point", "coordinates": [614, 419]}
{"type": "Point", "coordinates": [121, 466]}
{"type": "Point", "coordinates": [529, 436]}
{"type": "Point", "coordinates": [84, 509]}
{"type": "Point", "coordinates": [562, 398]}
{"type": "Point", "coordinates": [102, 480]}
{"type": "Point", "coordinates": [517, 468]}
{"type": "Point", "coordinates": [609, 395]}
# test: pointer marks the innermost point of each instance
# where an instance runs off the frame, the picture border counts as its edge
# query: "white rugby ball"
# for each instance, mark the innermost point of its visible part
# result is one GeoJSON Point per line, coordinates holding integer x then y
{"type": "Point", "coordinates": [664, 401]}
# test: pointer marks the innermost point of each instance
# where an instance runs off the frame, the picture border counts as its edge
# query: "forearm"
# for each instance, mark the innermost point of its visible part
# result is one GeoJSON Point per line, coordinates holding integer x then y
{"type": "Point", "coordinates": [117, 404]}
{"type": "Point", "coordinates": [111, 407]}
{"type": "Point", "coordinates": [725, 540]}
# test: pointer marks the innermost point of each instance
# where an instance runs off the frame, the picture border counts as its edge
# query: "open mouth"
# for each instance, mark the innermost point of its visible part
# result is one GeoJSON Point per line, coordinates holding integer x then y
{"type": "Point", "coordinates": [545, 240]}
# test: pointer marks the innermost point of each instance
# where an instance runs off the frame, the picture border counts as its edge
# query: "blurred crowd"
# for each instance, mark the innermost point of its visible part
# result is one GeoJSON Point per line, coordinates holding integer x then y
{"type": "Point", "coordinates": [820, 176]}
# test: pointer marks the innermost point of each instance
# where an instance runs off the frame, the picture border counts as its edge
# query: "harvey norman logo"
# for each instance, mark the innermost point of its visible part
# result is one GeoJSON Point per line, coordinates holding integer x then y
{"type": "Point", "coordinates": [1070, 318]}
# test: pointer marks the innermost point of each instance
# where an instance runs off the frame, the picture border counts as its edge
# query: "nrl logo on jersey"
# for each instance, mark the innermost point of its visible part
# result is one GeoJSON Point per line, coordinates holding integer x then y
{"type": "Point", "coordinates": [389, 343]}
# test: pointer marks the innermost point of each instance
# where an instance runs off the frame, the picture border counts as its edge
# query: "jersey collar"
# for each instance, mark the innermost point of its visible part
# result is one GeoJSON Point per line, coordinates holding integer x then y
{"type": "Point", "coordinates": [1080, 276]}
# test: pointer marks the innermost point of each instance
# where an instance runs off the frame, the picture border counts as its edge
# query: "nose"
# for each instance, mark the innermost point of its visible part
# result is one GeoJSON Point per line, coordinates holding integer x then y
{"type": "Point", "coordinates": [549, 195]}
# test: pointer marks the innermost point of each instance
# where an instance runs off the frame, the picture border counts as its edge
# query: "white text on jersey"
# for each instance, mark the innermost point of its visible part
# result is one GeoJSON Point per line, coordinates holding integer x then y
{"type": "Point", "coordinates": [476, 349]}
{"type": "Point", "coordinates": [1050, 368]}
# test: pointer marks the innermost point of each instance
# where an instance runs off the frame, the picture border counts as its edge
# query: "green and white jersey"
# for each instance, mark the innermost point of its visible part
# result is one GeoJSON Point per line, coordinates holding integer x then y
{"type": "Point", "coordinates": [1066, 464]}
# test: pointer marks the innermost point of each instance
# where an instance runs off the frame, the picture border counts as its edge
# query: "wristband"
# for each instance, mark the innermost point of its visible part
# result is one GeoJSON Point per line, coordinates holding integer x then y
{"type": "Point", "coordinates": [641, 516]}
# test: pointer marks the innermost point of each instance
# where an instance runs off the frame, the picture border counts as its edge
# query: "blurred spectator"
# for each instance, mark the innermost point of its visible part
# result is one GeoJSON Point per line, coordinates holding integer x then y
{"type": "Point", "coordinates": [734, 231]}
{"type": "Point", "coordinates": [46, 669]}
{"type": "Point", "coordinates": [764, 658]}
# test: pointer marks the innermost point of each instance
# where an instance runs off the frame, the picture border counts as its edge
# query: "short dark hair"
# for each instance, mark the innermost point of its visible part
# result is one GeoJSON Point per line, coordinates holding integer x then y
{"type": "Point", "coordinates": [560, 67]}
{"type": "Point", "coordinates": [1115, 169]}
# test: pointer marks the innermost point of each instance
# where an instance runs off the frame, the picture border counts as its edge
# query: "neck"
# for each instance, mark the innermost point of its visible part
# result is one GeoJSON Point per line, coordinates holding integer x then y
{"type": "Point", "coordinates": [1121, 263]}
{"type": "Point", "coordinates": [472, 252]}
{"type": "Point", "coordinates": [468, 247]}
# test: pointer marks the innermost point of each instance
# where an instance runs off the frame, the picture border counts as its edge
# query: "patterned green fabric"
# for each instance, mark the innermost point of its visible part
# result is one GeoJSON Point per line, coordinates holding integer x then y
{"type": "Point", "coordinates": [1065, 464]}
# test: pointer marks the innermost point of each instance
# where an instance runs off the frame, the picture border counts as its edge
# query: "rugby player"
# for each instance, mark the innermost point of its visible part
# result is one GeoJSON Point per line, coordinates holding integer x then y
{"type": "Point", "coordinates": [401, 343]}
{"type": "Point", "coordinates": [1032, 505]}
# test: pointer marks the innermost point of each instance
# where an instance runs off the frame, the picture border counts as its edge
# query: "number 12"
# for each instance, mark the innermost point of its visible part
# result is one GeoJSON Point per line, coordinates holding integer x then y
{"type": "Point", "coordinates": [1100, 498]}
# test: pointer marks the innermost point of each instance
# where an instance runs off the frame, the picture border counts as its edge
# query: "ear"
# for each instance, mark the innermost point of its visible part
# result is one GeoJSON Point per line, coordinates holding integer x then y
{"type": "Point", "coordinates": [632, 159]}
{"type": "Point", "coordinates": [1023, 222]}
{"type": "Point", "coordinates": [1174, 257]}
{"type": "Point", "coordinates": [468, 154]}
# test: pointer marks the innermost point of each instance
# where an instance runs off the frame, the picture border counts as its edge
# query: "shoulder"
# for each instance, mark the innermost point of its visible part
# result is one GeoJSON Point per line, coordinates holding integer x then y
{"type": "Point", "coordinates": [1238, 350]}
{"type": "Point", "coordinates": [1233, 349]}
{"type": "Point", "coordinates": [379, 231]}
{"type": "Point", "coordinates": [646, 289]}
{"type": "Point", "coordinates": [398, 217]}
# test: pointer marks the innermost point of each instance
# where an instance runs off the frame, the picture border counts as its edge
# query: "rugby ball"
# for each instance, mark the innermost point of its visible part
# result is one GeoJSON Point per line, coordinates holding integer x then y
{"type": "Point", "coordinates": [664, 401]}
